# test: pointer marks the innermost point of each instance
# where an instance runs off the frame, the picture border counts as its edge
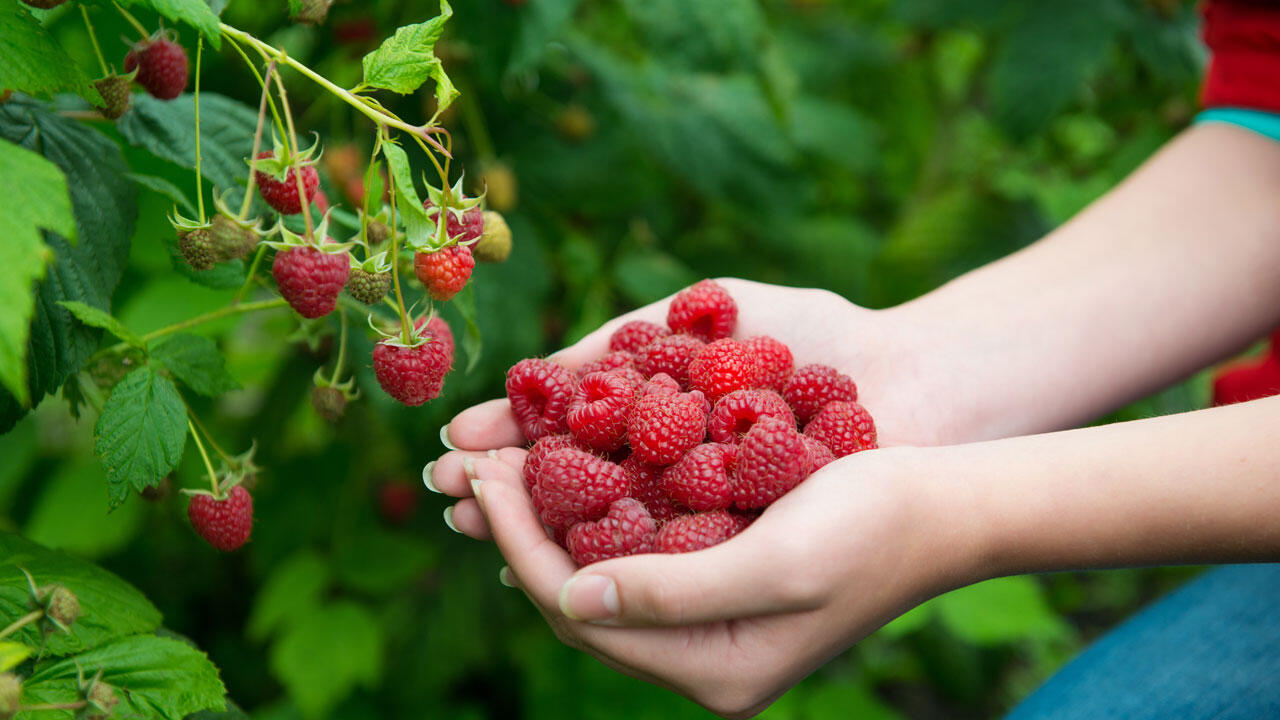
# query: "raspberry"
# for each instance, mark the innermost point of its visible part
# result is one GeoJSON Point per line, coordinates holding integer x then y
{"type": "Point", "coordinates": [660, 384]}
{"type": "Point", "coordinates": [646, 486]}
{"type": "Point", "coordinates": [775, 360]}
{"type": "Point", "coordinates": [701, 479]}
{"type": "Point", "coordinates": [102, 700]}
{"type": "Point", "coordinates": [771, 460]}
{"type": "Point", "coordinates": [495, 241]}
{"type": "Point", "coordinates": [613, 361]}
{"type": "Point", "coordinates": [224, 523]}
{"type": "Point", "coordinates": [310, 280]}
{"type": "Point", "coordinates": [329, 403]}
{"type": "Point", "coordinates": [671, 355]}
{"type": "Point", "coordinates": [665, 427]}
{"type": "Point", "coordinates": [161, 65]}
{"type": "Point", "coordinates": [575, 486]}
{"type": "Point", "coordinates": [540, 391]}
{"type": "Point", "coordinates": [704, 310]}
{"type": "Point", "coordinates": [445, 272]}
{"type": "Point", "coordinates": [627, 529]}
{"type": "Point", "coordinates": [688, 533]}
{"type": "Point", "coordinates": [819, 455]}
{"type": "Point", "coordinates": [61, 606]}
{"type": "Point", "coordinates": [282, 193]}
{"type": "Point", "coordinates": [633, 335]}
{"type": "Point", "coordinates": [813, 386]}
{"type": "Point", "coordinates": [231, 239]}
{"type": "Point", "coordinates": [437, 328]}
{"type": "Point", "coordinates": [541, 449]}
{"type": "Point", "coordinates": [844, 427]}
{"type": "Point", "coordinates": [735, 413]}
{"type": "Point", "coordinates": [412, 375]}
{"type": "Point", "coordinates": [114, 90]}
{"type": "Point", "coordinates": [397, 502]}
{"type": "Point", "coordinates": [368, 287]}
{"type": "Point", "coordinates": [470, 227]}
{"type": "Point", "coordinates": [599, 410]}
{"type": "Point", "coordinates": [722, 367]}
{"type": "Point", "coordinates": [196, 247]}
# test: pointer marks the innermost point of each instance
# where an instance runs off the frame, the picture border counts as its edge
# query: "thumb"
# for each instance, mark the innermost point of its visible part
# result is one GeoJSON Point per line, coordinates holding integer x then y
{"type": "Point", "coordinates": [742, 577]}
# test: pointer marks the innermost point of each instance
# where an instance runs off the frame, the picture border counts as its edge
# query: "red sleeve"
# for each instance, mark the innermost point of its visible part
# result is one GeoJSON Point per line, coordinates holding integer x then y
{"type": "Point", "coordinates": [1243, 37]}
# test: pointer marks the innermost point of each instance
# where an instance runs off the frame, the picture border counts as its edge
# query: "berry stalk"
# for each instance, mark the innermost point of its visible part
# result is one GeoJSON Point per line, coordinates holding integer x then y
{"type": "Point", "coordinates": [303, 198]}
{"type": "Point", "coordinates": [405, 335]}
{"type": "Point", "coordinates": [142, 30]}
{"type": "Point", "coordinates": [213, 476]}
{"type": "Point", "coordinates": [93, 38]}
{"type": "Point", "coordinates": [199, 180]}
{"type": "Point", "coordinates": [22, 622]}
{"type": "Point", "coordinates": [247, 202]}
{"type": "Point", "coordinates": [342, 346]}
{"type": "Point", "coordinates": [271, 67]}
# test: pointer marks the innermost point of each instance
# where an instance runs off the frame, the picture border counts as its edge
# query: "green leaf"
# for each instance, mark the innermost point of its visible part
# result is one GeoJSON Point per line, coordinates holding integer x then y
{"type": "Point", "coordinates": [38, 200]}
{"type": "Point", "coordinates": [645, 276]}
{"type": "Point", "coordinates": [166, 188]}
{"type": "Point", "coordinates": [32, 61]}
{"type": "Point", "coordinates": [69, 514]}
{"type": "Point", "coordinates": [167, 129]}
{"type": "Point", "coordinates": [999, 611]}
{"type": "Point", "coordinates": [93, 317]}
{"type": "Point", "coordinates": [105, 205]}
{"type": "Point", "coordinates": [156, 677]}
{"type": "Point", "coordinates": [380, 562]}
{"type": "Point", "coordinates": [326, 653]}
{"type": "Point", "coordinates": [847, 700]}
{"type": "Point", "coordinates": [909, 621]}
{"type": "Point", "coordinates": [542, 22]}
{"type": "Point", "coordinates": [12, 653]}
{"type": "Point", "coordinates": [195, 13]}
{"type": "Point", "coordinates": [197, 362]}
{"type": "Point", "coordinates": [110, 607]}
{"type": "Point", "coordinates": [293, 589]}
{"type": "Point", "coordinates": [141, 433]}
{"type": "Point", "coordinates": [419, 230]}
{"type": "Point", "coordinates": [472, 341]}
{"type": "Point", "coordinates": [407, 59]}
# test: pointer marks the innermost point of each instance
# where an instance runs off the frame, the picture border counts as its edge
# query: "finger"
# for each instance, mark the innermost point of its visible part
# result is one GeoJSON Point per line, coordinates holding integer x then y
{"type": "Point", "coordinates": [452, 473]}
{"type": "Point", "coordinates": [746, 576]}
{"type": "Point", "coordinates": [482, 427]}
{"type": "Point", "coordinates": [465, 518]}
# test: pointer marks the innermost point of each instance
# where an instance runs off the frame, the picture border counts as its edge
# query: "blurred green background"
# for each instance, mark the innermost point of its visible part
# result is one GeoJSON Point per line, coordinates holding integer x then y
{"type": "Point", "coordinates": [873, 148]}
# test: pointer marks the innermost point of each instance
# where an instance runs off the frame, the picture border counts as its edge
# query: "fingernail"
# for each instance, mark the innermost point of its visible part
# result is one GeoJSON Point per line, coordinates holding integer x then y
{"type": "Point", "coordinates": [504, 577]}
{"type": "Point", "coordinates": [589, 597]}
{"type": "Point", "coordinates": [493, 454]}
{"type": "Point", "coordinates": [426, 477]}
{"type": "Point", "coordinates": [475, 491]}
{"type": "Point", "coordinates": [444, 438]}
{"type": "Point", "coordinates": [448, 519]}
{"type": "Point", "coordinates": [469, 467]}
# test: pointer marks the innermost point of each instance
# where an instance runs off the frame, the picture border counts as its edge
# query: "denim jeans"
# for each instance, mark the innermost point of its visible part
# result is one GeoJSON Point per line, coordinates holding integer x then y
{"type": "Point", "coordinates": [1209, 650]}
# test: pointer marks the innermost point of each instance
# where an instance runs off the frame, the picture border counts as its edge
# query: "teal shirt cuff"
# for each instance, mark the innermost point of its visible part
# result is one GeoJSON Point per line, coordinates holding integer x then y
{"type": "Point", "coordinates": [1263, 123]}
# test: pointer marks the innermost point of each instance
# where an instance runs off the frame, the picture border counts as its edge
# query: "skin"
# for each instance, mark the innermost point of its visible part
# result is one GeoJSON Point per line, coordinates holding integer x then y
{"type": "Point", "coordinates": [1176, 268]}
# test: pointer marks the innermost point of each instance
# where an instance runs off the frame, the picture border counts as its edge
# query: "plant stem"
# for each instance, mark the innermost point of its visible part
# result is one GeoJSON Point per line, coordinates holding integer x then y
{"type": "Point", "coordinates": [476, 129]}
{"type": "Point", "coordinates": [133, 21]}
{"type": "Point", "coordinates": [275, 114]}
{"type": "Point", "coordinates": [253, 269]}
{"type": "Point", "coordinates": [191, 417]}
{"type": "Point", "coordinates": [405, 336]}
{"type": "Point", "coordinates": [303, 198]}
{"type": "Point", "coordinates": [257, 146]}
{"type": "Point", "coordinates": [213, 477]}
{"type": "Point", "coordinates": [342, 347]}
{"type": "Point", "coordinates": [21, 622]}
{"type": "Point", "coordinates": [199, 181]}
{"type": "Point", "coordinates": [214, 315]}
{"type": "Point", "coordinates": [97, 49]}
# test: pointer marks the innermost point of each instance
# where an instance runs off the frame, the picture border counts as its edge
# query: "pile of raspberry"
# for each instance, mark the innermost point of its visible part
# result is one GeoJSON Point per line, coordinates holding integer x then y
{"type": "Point", "coordinates": [680, 436]}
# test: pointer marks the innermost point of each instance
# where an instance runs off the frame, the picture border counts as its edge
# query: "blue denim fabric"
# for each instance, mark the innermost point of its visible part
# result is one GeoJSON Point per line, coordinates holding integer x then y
{"type": "Point", "coordinates": [1209, 650]}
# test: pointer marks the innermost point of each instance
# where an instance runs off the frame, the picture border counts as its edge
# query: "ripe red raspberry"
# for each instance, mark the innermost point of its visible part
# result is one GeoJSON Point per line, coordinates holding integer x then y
{"type": "Point", "coordinates": [445, 272]}
{"type": "Point", "coordinates": [813, 386]}
{"type": "Point", "coordinates": [616, 360]}
{"type": "Point", "coordinates": [775, 360]}
{"type": "Point", "coordinates": [397, 501]}
{"type": "Point", "coordinates": [704, 310]}
{"type": "Point", "coordinates": [627, 529]}
{"type": "Point", "coordinates": [819, 455]}
{"type": "Point", "coordinates": [633, 335]}
{"type": "Point", "coordinates": [722, 367]}
{"type": "Point", "coordinates": [412, 375]}
{"type": "Point", "coordinates": [467, 229]}
{"type": "Point", "coordinates": [437, 328]}
{"type": "Point", "coordinates": [544, 447]}
{"type": "Point", "coordinates": [844, 427]}
{"type": "Point", "coordinates": [599, 410]}
{"type": "Point", "coordinates": [310, 280]}
{"type": "Point", "coordinates": [702, 479]}
{"type": "Point", "coordinates": [735, 413]}
{"type": "Point", "coordinates": [646, 486]}
{"type": "Point", "coordinates": [161, 65]}
{"type": "Point", "coordinates": [540, 391]}
{"type": "Point", "coordinates": [771, 460]}
{"type": "Point", "coordinates": [665, 427]}
{"type": "Point", "coordinates": [660, 384]}
{"type": "Point", "coordinates": [670, 355]}
{"type": "Point", "coordinates": [575, 486]}
{"type": "Point", "coordinates": [282, 193]}
{"type": "Point", "coordinates": [224, 524]}
{"type": "Point", "coordinates": [688, 533]}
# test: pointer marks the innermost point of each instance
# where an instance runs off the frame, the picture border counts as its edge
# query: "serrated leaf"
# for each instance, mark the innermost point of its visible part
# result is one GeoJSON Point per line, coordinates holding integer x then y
{"type": "Point", "coordinates": [110, 607]}
{"type": "Point", "coordinates": [222, 276]}
{"type": "Point", "coordinates": [197, 362]}
{"type": "Point", "coordinates": [998, 611]}
{"type": "Point", "coordinates": [12, 653]}
{"type": "Point", "coordinates": [141, 433]}
{"type": "Point", "coordinates": [407, 59]}
{"type": "Point", "coordinates": [157, 677]}
{"type": "Point", "coordinates": [105, 205]}
{"type": "Point", "coordinates": [93, 317]}
{"type": "Point", "coordinates": [472, 341]}
{"type": "Point", "coordinates": [294, 588]}
{"type": "Point", "coordinates": [418, 228]}
{"type": "Point", "coordinates": [167, 129]}
{"type": "Point", "coordinates": [195, 13]}
{"type": "Point", "coordinates": [37, 200]}
{"type": "Point", "coordinates": [326, 653]}
{"type": "Point", "coordinates": [32, 61]}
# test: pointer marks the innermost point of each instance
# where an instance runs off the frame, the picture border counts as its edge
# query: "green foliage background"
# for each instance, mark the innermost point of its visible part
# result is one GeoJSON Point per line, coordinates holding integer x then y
{"type": "Point", "coordinates": [873, 148]}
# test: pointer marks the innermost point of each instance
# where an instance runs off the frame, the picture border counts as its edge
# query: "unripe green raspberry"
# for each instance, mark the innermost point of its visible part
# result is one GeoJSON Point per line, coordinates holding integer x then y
{"type": "Point", "coordinates": [329, 403]}
{"type": "Point", "coordinates": [102, 700]}
{"type": "Point", "coordinates": [378, 232]}
{"type": "Point", "coordinates": [62, 606]}
{"type": "Point", "coordinates": [114, 90]}
{"type": "Point", "coordinates": [495, 241]}
{"type": "Point", "coordinates": [230, 240]}
{"type": "Point", "coordinates": [197, 249]}
{"type": "Point", "coordinates": [368, 287]}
